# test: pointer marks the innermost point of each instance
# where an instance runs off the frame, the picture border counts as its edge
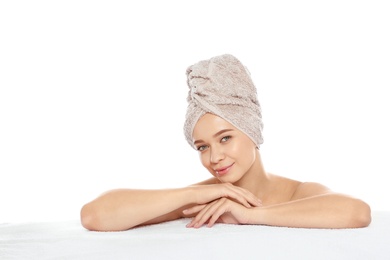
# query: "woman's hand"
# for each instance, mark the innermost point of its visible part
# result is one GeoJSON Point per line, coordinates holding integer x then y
{"type": "Point", "coordinates": [222, 210]}
{"type": "Point", "coordinates": [205, 194]}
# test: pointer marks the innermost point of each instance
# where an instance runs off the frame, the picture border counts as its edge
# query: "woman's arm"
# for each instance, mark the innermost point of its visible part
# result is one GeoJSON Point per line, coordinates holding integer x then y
{"type": "Point", "coordinates": [123, 209]}
{"type": "Point", "coordinates": [312, 206]}
{"type": "Point", "coordinates": [321, 211]}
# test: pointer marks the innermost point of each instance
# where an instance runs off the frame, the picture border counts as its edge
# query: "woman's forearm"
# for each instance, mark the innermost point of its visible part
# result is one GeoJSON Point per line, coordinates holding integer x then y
{"type": "Point", "coordinates": [323, 211]}
{"type": "Point", "coordinates": [125, 208]}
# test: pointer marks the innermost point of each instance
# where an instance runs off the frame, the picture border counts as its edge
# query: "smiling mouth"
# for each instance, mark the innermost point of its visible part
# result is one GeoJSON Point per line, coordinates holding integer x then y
{"type": "Point", "coordinates": [224, 170]}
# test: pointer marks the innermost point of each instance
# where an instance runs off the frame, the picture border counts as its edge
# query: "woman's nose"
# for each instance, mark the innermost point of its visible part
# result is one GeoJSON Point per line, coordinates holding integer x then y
{"type": "Point", "coordinates": [216, 155]}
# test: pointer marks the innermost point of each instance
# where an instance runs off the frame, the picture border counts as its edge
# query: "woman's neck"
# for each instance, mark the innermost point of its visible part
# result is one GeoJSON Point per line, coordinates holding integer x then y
{"type": "Point", "coordinates": [256, 180]}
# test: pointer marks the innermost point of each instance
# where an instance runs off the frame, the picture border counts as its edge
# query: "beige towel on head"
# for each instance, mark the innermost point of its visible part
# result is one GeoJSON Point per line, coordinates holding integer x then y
{"type": "Point", "coordinates": [222, 86]}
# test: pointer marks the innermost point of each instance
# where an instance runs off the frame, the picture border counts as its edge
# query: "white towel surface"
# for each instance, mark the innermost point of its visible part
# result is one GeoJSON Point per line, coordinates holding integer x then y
{"type": "Point", "coordinates": [172, 240]}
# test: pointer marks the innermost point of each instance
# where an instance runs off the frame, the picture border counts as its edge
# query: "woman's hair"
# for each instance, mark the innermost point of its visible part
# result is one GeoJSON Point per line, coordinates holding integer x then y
{"type": "Point", "coordinates": [222, 86]}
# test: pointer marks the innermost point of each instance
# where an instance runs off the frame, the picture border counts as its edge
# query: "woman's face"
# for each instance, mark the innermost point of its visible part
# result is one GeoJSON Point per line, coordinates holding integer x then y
{"type": "Point", "coordinates": [226, 152]}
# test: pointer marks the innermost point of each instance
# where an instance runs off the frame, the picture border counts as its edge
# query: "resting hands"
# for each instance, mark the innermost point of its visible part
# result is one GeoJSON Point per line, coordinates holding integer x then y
{"type": "Point", "coordinates": [222, 210]}
{"type": "Point", "coordinates": [207, 193]}
{"type": "Point", "coordinates": [224, 203]}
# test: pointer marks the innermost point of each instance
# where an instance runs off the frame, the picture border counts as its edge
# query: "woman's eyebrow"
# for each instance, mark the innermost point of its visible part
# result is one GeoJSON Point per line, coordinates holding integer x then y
{"type": "Point", "coordinates": [222, 131]}
{"type": "Point", "coordinates": [215, 135]}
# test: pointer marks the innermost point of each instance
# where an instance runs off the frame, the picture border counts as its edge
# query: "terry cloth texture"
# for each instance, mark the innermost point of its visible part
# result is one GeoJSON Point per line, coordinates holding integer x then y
{"type": "Point", "coordinates": [222, 86]}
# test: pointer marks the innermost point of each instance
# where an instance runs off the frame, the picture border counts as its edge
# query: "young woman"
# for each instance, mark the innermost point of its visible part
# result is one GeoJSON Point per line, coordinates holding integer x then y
{"type": "Point", "coordinates": [224, 124]}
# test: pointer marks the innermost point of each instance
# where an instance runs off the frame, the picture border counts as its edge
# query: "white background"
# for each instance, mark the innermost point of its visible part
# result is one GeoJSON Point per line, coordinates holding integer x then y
{"type": "Point", "coordinates": [93, 95]}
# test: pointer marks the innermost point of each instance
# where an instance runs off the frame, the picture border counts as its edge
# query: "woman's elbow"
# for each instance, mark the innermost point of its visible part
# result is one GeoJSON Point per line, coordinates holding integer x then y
{"type": "Point", "coordinates": [361, 215]}
{"type": "Point", "coordinates": [89, 217]}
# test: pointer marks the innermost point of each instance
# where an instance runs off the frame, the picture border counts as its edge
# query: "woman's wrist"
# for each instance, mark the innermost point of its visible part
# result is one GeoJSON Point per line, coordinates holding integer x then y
{"type": "Point", "coordinates": [196, 194]}
{"type": "Point", "coordinates": [189, 194]}
{"type": "Point", "coordinates": [256, 215]}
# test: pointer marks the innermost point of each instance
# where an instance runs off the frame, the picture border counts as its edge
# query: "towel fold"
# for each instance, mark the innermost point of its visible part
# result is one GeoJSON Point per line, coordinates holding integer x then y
{"type": "Point", "coordinates": [222, 86]}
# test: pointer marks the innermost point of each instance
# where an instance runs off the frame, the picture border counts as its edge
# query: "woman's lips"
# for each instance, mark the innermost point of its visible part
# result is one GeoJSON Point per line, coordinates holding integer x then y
{"type": "Point", "coordinates": [224, 170]}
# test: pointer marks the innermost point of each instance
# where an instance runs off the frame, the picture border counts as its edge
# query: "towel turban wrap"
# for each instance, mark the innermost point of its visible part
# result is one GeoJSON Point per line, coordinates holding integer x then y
{"type": "Point", "coordinates": [222, 86]}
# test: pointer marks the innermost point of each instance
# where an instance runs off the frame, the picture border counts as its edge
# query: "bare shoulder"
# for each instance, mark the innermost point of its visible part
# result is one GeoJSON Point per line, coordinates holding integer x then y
{"type": "Point", "coordinates": [309, 189]}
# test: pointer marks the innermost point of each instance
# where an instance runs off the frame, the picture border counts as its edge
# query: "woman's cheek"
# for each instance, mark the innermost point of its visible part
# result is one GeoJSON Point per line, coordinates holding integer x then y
{"type": "Point", "coordinates": [206, 162]}
{"type": "Point", "coordinates": [203, 159]}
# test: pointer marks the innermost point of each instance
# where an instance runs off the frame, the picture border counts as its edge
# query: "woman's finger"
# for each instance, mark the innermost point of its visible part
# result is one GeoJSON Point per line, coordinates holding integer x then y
{"type": "Point", "coordinates": [209, 212]}
{"type": "Point", "coordinates": [218, 211]}
{"type": "Point", "coordinates": [243, 196]}
{"type": "Point", "coordinates": [194, 209]}
{"type": "Point", "coordinates": [208, 193]}
{"type": "Point", "coordinates": [194, 222]}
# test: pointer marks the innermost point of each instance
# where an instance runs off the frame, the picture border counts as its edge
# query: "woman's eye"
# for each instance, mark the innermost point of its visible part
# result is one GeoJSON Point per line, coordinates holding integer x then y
{"type": "Point", "coordinates": [202, 148]}
{"type": "Point", "coordinates": [226, 138]}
